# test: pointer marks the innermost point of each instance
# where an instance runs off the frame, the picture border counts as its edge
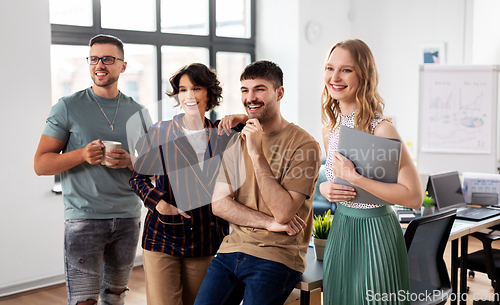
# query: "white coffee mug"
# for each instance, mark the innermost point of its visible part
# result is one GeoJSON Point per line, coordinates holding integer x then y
{"type": "Point", "coordinates": [108, 146]}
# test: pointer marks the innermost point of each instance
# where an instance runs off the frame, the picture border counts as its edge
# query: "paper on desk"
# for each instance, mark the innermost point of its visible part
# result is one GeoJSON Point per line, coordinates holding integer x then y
{"type": "Point", "coordinates": [458, 226]}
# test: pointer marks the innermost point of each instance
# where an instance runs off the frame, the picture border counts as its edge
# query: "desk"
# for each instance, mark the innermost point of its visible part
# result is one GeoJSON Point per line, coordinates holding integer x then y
{"type": "Point", "coordinates": [312, 278]}
{"type": "Point", "coordinates": [461, 230]}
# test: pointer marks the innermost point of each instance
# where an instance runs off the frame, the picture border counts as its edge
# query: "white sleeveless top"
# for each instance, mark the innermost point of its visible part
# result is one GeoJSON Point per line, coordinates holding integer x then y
{"type": "Point", "coordinates": [333, 144]}
{"type": "Point", "coordinates": [198, 140]}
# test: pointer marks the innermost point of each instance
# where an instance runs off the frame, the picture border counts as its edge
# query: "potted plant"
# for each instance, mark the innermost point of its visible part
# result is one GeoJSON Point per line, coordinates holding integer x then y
{"type": "Point", "coordinates": [321, 228]}
{"type": "Point", "coordinates": [428, 205]}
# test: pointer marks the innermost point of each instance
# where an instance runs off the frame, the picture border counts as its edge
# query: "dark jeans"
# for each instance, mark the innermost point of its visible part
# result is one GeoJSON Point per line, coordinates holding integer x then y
{"type": "Point", "coordinates": [232, 277]}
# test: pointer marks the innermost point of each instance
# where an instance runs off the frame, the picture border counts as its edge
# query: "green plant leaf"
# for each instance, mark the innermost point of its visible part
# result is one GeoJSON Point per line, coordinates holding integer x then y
{"type": "Point", "coordinates": [321, 225]}
{"type": "Point", "coordinates": [428, 201]}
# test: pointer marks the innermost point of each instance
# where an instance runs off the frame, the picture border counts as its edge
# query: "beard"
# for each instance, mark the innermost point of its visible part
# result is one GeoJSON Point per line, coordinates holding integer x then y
{"type": "Point", "coordinates": [104, 83]}
{"type": "Point", "coordinates": [263, 115]}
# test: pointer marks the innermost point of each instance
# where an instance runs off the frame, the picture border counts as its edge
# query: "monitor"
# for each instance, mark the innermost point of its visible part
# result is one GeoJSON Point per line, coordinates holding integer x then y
{"type": "Point", "coordinates": [446, 190]}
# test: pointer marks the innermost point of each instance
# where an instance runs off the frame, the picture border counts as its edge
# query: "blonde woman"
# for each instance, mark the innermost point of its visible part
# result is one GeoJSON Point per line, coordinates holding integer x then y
{"type": "Point", "coordinates": [365, 257]}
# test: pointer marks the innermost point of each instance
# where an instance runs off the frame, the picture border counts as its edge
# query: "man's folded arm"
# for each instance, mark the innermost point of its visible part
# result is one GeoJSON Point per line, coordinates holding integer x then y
{"type": "Point", "coordinates": [226, 207]}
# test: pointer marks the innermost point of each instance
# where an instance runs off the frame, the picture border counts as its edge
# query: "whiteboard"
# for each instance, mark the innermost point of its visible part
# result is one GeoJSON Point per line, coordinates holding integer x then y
{"type": "Point", "coordinates": [457, 118]}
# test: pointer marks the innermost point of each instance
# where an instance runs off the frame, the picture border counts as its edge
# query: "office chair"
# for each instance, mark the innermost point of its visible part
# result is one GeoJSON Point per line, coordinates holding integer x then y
{"type": "Point", "coordinates": [486, 261]}
{"type": "Point", "coordinates": [426, 238]}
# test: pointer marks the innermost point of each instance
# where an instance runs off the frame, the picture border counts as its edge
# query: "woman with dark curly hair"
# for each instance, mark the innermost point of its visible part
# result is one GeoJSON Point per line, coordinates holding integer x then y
{"type": "Point", "coordinates": [175, 176]}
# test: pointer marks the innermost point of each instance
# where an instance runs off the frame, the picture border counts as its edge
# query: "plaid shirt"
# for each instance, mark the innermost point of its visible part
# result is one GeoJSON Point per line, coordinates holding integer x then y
{"type": "Point", "coordinates": [167, 159]}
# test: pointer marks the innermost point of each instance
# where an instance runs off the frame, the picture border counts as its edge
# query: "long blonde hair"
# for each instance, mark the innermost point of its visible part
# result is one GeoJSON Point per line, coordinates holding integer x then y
{"type": "Point", "coordinates": [368, 100]}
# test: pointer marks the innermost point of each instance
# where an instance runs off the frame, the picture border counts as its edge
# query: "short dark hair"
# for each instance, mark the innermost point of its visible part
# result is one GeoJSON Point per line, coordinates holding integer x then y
{"type": "Point", "coordinates": [199, 75]}
{"type": "Point", "coordinates": [265, 69]}
{"type": "Point", "coordinates": [103, 39]}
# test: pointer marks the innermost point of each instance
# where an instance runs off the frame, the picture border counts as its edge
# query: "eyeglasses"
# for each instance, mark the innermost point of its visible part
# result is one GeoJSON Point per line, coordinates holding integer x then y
{"type": "Point", "coordinates": [107, 60]}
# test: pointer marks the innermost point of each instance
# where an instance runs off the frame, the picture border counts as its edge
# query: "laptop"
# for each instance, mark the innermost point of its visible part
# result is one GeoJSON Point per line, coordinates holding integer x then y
{"type": "Point", "coordinates": [446, 190]}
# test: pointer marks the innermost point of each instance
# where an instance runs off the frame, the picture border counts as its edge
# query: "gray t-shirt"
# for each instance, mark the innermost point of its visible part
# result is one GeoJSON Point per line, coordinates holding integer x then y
{"type": "Point", "coordinates": [94, 191]}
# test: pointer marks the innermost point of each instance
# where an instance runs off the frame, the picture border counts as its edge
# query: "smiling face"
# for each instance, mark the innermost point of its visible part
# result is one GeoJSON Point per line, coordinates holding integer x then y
{"type": "Point", "coordinates": [193, 98]}
{"type": "Point", "coordinates": [106, 75]}
{"type": "Point", "coordinates": [260, 99]}
{"type": "Point", "coordinates": [340, 78]}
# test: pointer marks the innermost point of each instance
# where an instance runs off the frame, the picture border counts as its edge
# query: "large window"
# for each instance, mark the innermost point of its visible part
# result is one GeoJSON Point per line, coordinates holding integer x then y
{"type": "Point", "coordinates": [160, 36]}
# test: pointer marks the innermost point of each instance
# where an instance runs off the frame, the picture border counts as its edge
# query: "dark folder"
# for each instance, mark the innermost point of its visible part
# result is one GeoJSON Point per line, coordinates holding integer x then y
{"type": "Point", "coordinates": [374, 157]}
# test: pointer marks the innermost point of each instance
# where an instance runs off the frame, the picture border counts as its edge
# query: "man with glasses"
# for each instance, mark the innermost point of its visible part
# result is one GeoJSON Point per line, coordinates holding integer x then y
{"type": "Point", "coordinates": [102, 213]}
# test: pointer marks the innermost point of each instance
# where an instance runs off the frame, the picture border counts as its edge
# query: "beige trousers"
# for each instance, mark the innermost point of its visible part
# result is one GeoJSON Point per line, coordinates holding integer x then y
{"type": "Point", "coordinates": [172, 280]}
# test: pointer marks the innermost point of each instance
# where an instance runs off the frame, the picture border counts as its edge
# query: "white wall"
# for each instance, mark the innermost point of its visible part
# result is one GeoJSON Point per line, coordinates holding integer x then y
{"type": "Point", "coordinates": [31, 218]}
{"type": "Point", "coordinates": [394, 31]}
{"type": "Point", "coordinates": [278, 41]}
{"type": "Point", "coordinates": [486, 30]}
{"type": "Point", "coordinates": [332, 17]}
{"type": "Point", "coordinates": [281, 37]}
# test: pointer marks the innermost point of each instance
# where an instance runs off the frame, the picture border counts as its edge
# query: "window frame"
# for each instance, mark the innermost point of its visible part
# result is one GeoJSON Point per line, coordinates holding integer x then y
{"type": "Point", "coordinates": [80, 35]}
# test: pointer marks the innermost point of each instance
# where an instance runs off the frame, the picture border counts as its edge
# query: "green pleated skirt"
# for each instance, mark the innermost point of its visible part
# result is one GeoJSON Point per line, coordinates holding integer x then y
{"type": "Point", "coordinates": [365, 259]}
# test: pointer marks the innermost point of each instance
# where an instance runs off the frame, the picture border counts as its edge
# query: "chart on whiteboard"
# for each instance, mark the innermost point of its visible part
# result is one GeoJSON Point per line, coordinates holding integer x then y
{"type": "Point", "coordinates": [457, 113]}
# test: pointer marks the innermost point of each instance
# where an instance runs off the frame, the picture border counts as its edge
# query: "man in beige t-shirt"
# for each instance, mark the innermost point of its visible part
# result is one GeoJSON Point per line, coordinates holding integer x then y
{"type": "Point", "coordinates": [265, 191]}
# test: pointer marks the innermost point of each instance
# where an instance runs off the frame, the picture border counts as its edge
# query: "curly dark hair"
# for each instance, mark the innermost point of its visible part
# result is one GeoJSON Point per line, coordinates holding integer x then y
{"type": "Point", "coordinates": [199, 75]}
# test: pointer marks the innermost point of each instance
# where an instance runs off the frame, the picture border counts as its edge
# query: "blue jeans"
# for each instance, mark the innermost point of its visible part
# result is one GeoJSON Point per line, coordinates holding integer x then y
{"type": "Point", "coordinates": [232, 277]}
{"type": "Point", "coordinates": [99, 256]}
